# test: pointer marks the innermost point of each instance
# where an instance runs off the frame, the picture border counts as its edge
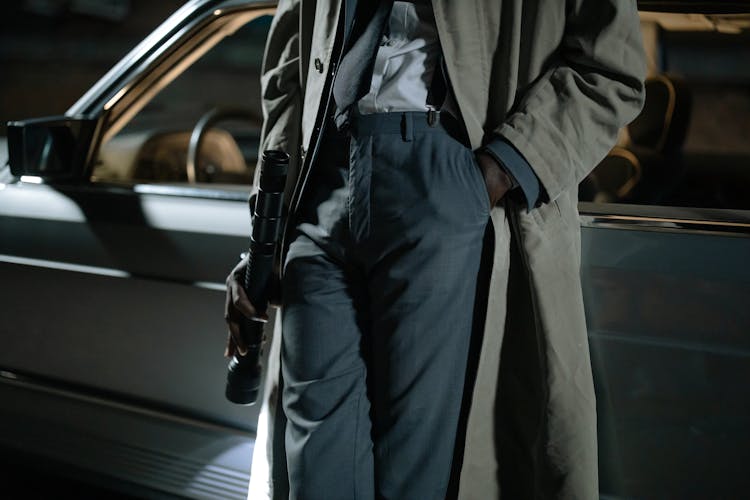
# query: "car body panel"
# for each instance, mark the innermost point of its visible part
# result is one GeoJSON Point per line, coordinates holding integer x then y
{"type": "Point", "coordinates": [154, 284]}
{"type": "Point", "coordinates": [117, 293]}
{"type": "Point", "coordinates": [669, 331]}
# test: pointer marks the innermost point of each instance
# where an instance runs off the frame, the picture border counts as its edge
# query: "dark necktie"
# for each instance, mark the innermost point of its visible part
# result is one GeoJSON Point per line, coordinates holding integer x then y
{"type": "Point", "coordinates": [355, 71]}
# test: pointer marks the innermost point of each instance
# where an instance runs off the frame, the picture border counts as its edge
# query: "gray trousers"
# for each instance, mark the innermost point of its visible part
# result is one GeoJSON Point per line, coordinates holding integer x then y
{"type": "Point", "coordinates": [378, 307]}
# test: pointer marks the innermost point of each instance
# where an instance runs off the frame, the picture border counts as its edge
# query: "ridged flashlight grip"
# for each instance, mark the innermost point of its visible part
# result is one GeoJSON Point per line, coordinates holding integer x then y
{"type": "Point", "coordinates": [258, 274]}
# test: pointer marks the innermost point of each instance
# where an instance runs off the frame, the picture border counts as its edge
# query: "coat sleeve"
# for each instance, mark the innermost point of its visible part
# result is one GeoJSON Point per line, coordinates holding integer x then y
{"type": "Point", "coordinates": [281, 90]}
{"type": "Point", "coordinates": [568, 119]}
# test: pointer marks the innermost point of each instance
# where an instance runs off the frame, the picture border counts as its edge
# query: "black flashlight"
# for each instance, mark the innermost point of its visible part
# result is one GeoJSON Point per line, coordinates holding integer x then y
{"type": "Point", "coordinates": [244, 371]}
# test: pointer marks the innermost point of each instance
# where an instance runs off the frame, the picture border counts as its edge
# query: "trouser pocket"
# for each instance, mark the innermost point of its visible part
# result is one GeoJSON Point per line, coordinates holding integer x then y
{"type": "Point", "coordinates": [360, 187]}
{"type": "Point", "coordinates": [476, 170]}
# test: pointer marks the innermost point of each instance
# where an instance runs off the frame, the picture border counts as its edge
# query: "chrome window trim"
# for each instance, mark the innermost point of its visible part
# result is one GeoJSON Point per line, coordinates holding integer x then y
{"type": "Point", "coordinates": [92, 102]}
{"type": "Point", "coordinates": [152, 50]}
{"type": "Point", "coordinates": [665, 219]}
{"type": "Point", "coordinates": [152, 62]}
{"type": "Point", "coordinates": [240, 193]}
{"type": "Point", "coordinates": [173, 56]}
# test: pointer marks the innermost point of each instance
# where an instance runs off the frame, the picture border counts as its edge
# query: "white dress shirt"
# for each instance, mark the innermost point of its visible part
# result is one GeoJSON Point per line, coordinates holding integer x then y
{"type": "Point", "coordinates": [406, 60]}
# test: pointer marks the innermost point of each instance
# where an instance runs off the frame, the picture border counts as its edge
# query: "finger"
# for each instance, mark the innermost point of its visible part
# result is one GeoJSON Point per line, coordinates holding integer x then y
{"type": "Point", "coordinates": [234, 330]}
{"type": "Point", "coordinates": [228, 304]}
{"type": "Point", "coordinates": [238, 317]}
{"type": "Point", "coordinates": [230, 349]}
{"type": "Point", "coordinates": [240, 300]}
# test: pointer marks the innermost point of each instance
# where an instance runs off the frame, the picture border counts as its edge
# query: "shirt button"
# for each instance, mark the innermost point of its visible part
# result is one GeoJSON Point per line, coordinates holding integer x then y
{"type": "Point", "coordinates": [318, 65]}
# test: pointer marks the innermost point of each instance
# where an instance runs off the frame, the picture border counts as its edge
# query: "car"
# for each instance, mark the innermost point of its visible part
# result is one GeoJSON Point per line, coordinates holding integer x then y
{"type": "Point", "coordinates": [120, 220]}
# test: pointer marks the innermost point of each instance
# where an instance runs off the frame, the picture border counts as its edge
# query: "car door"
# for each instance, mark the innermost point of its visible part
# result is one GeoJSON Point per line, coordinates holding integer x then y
{"type": "Point", "coordinates": [665, 252]}
{"type": "Point", "coordinates": [113, 286]}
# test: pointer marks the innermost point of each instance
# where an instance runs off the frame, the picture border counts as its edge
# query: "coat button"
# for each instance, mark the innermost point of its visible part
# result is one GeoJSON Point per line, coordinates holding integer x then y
{"type": "Point", "coordinates": [318, 65]}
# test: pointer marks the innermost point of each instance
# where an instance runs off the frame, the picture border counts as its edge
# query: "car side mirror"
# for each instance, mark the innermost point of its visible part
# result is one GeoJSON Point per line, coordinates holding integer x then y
{"type": "Point", "coordinates": [54, 148]}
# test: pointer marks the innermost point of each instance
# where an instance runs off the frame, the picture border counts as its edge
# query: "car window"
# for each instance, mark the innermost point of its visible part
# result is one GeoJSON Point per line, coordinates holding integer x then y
{"type": "Point", "coordinates": [221, 89]}
{"type": "Point", "coordinates": [690, 146]}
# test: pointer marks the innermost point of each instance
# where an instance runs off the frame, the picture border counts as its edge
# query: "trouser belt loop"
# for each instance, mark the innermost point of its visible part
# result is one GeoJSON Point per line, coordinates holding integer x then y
{"type": "Point", "coordinates": [433, 117]}
{"type": "Point", "coordinates": [407, 127]}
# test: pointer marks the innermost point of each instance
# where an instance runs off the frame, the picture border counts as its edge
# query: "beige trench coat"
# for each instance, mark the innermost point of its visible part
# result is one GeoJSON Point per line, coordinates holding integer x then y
{"type": "Point", "coordinates": [557, 79]}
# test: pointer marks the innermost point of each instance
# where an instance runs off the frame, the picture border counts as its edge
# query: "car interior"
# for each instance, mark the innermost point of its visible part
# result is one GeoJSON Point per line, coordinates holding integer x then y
{"type": "Point", "coordinates": [210, 111]}
{"type": "Point", "coordinates": [688, 147]}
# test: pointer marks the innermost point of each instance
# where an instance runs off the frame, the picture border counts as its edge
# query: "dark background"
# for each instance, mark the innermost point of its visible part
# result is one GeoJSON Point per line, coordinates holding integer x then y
{"type": "Point", "coordinates": [52, 51]}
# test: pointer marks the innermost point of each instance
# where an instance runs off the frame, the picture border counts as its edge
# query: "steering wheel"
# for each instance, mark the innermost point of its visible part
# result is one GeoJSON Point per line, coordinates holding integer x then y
{"type": "Point", "coordinates": [206, 122]}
